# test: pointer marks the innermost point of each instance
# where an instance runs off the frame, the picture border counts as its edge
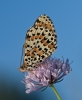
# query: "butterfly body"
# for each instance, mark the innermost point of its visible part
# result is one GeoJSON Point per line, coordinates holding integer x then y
{"type": "Point", "coordinates": [40, 43]}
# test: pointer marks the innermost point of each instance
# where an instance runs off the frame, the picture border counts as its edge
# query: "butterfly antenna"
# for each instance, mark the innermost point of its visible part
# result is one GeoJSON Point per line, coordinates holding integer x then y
{"type": "Point", "coordinates": [71, 62]}
{"type": "Point", "coordinates": [21, 56]}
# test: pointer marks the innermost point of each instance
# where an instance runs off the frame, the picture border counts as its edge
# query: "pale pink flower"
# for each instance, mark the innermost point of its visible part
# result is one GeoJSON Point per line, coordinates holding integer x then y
{"type": "Point", "coordinates": [48, 72]}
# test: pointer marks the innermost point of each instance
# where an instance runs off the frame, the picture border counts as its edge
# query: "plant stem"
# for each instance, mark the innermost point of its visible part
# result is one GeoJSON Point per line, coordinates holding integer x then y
{"type": "Point", "coordinates": [55, 91]}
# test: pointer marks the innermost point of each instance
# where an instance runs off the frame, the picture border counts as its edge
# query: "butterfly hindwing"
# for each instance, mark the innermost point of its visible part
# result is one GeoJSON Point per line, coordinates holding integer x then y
{"type": "Point", "coordinates": [40, 42]}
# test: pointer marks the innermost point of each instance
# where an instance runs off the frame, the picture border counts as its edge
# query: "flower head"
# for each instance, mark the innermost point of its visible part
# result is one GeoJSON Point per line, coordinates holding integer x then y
{"type": "Point", "coordinates": [48, 72]}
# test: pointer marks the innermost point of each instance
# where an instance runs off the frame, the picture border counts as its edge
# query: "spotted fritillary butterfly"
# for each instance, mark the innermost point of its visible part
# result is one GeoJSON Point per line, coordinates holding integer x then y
{"type": "Point", "coordinates": [40, 43]}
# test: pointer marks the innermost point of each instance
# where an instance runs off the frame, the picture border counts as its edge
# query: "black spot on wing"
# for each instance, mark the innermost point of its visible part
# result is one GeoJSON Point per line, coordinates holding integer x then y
{"type": "Point", "coordinates": [43, 56]}
{"type": "Point", "coordinates": [45, 49]}
{"type": "Point", "coordinates": [40, 48]}
{"type": "Point", "coordinates": [48, 41]}
{"type": "Point", "coordinates": [41, 29]}
{"type": "Point", "coordinates": [51, 38]}
{"type": "Point", "coordinates": [33, 34]}
{"type": "Point", "coordinates": [43, 34]}
{"type": "Point", "coordinates": [49, 34]}
{"type": "Point", "coordinates": [40, 60]}
{"type": "Point", "coordinates": [35, 59]}
{"type": "Point", "coordinates": [28, 36]}
{"type": "Point", "coordinates": [45, 38]}
{"type": "Point", "coordinates": [37, 41]}
{"type": "Point", "coordinates": [28, 46]}
{"type": "Point", "coordinates": [25, 59]}
{"type": "Point", "coordinates": [38, 33]}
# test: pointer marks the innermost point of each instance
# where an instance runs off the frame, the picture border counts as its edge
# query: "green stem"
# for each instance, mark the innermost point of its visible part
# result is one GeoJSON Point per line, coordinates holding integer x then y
{"type": "Point", "coordinates": [55, 91]}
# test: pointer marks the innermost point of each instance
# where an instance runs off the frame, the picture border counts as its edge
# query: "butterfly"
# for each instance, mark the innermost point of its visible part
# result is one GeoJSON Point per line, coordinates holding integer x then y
{"type": "Point", "coordinates": [40, 43]}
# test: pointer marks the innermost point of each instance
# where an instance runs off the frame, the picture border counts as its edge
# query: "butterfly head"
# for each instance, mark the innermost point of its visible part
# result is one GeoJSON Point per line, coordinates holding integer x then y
{"type": "Point", "coordinates": [22, 68]}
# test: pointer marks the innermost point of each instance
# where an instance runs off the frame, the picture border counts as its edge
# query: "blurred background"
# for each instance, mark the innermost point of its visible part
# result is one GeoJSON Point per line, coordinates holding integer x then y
{"type": "Point", "coordinates": [16, 17]}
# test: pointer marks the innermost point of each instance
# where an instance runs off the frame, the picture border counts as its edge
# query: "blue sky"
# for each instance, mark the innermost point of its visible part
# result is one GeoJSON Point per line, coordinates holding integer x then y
{"type": "Point", "coordinates": [16, 17]}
